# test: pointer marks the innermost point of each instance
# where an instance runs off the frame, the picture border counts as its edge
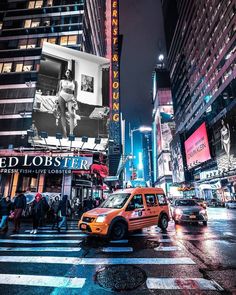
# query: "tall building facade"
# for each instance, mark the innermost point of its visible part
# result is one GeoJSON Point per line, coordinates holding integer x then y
{"type": "Point", "coordinates": [201, 61]}
{"type": "Point", "coordinates": [59, 34]}
{"type": "Point", "coordinates": [163, 129]}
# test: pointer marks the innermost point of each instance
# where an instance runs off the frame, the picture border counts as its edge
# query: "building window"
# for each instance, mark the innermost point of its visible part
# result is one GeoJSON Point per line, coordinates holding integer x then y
{"type": "Point", "coordinates": [27, 43]}
{"type": "Point", "coordinates": [28, 66]}
{"type": "Point", "coordinates": [49, 2]}
{"type": "Point", "coordinates": [6, 67]}
{"type": "Point", "coordinates": [1, 23]}
{"type": "Point", "coordinates": [68, 40]}
{"type": "Point", "coordinates": [35, 4]}
{"type": "Point", "coordinates": [18, 67]}
{"type": "Point", "coordinates": [32, 23]}
{"type": "Point", "coordinates": [52, 40]}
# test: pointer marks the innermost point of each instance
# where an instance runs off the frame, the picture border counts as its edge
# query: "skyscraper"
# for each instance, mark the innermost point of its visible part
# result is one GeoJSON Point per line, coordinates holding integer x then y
{"type": "Point", "coordinates": [201, 60]}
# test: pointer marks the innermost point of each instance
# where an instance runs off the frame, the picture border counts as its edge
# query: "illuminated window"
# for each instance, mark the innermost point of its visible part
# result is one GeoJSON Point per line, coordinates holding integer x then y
{"type": "Point", "coordinates": [1, 25]}
{"type": "Point", "coordinates": [72, 40]}
{"type": "Point", "coordinates": [50, 3]}
{"type": "Point", "coordinates": [35, 23]}
{"type": "Point", "coordinates": [42, 41]}
{"type": "Point", "coordinates": [32, 43]}
{"type": "Point", "coordinates": [35, 4]}
{"type": "Point", "coordinates": [68, 40]}
{"type": "Point", "coordinates": [1, 67]}
{"type": "Point", "coordinates": [27, 23]}
{"type": "Point", "coordinates": [63, 40]}
{"type": "Point", "coordinates": [22, 44]}
{"type": "Point", "coordinates": [52, 40]}
{"type": "Point", "coordinates": [28, 66]}
{"type": "Point", "coordinates": [19, 67]}
{"type": "Point", "coordinates": [7, 67]}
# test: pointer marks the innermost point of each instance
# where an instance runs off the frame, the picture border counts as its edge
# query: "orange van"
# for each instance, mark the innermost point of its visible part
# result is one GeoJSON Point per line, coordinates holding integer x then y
{"type": "Point", "coordinates": [127, 210]}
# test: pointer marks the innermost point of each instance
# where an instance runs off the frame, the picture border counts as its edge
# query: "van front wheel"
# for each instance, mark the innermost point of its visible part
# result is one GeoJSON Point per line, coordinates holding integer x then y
{"type": "Point", "coordinates": [163, 223]}
{"type": "Point", "coordinates": [118, 231]}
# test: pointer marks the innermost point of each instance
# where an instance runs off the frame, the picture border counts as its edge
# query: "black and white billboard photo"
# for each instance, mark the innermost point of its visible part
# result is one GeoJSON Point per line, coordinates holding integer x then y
{"type": "Point", "coordinates": [72, 99]}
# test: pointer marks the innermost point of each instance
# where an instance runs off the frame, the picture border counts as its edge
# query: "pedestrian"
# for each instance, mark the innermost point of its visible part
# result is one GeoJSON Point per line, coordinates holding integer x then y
{"type": "Point", "coordinates": [38, 212]}
{"type": "Point", "coordinates": [54, 209]}
{"type": "Point", "coordinates": [45, 211]}
{"type": "Point", "coordinates": [19, 205]}
{"type": "Point", "coordinates": [64, 209]}
{"type": "Point", "coordinates": [5, 209]}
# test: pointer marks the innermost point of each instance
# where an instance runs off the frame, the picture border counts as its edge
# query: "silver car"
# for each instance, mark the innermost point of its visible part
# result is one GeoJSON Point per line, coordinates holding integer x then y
{"type": "Point", "coordinates": [230, 204]}
{"type": "Point", "coordinates": [187, 210]}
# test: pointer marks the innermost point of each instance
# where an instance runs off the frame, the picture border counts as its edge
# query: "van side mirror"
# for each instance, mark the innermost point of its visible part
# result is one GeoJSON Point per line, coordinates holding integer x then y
{"type": "Point", "coordinates": [130, 207]}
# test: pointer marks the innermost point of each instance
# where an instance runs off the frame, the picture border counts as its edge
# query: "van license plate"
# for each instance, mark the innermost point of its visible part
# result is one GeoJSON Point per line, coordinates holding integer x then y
{"type": "Point", "coordinates": [84, 226]}
{"type": "Point", "coordinates": [192, 216]}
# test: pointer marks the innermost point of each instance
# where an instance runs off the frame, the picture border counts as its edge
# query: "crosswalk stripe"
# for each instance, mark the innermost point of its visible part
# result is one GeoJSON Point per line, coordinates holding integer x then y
{"type": "Point", "coordinates": [58, 235]}
{"type": "Point", "coordinates": [117, 249]}
{"type": "Point", "coordinates": [40, 249]}
{"type": "Point", "coordinates": [119, 241]}
{"type": "Point", "coordinates": [54, 231]}
{"type": "Point", "coordinates": [42, 281]}
{"type": "Point", "coordinates": [96, 261]}
{"type": "Point", "coordinates": [182, 284]}
{"type": "Point", "coordinates": [11, 241]}
{"type": "Point", "coordinates": [165, 240]}
{"type": "Point", "coordinates": [168, 248]}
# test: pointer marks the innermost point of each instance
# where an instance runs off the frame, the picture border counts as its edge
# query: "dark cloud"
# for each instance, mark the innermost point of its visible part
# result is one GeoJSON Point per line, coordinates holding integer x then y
{"type": "Point", "coordinates": [143, 38]}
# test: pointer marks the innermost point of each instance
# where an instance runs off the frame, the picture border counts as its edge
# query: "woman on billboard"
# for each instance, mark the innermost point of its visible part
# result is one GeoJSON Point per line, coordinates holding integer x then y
{"type": "Point", "coordinates": [225, 139]}
{"type": "Point", "coordinates": [67, 103]}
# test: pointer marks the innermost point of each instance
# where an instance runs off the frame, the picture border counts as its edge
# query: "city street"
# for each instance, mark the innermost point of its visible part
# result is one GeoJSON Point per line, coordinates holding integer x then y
{"type": "Point", "coordinates": [187, 259]}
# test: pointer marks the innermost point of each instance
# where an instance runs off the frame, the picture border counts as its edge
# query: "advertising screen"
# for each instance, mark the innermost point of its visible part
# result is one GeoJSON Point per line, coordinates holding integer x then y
{"type": "Point", "coordinates": [177, 161]}
{"type": "Point", "coordinates": [224, 131]}
{"type": "Point", "coordinates": [71, 98]}
{"type": "Point", "coordinates": [164, 164]}
{"type": "Point", "coordinates": [197, 148]}
{"type": "Point", "coordinates": [165, 127]}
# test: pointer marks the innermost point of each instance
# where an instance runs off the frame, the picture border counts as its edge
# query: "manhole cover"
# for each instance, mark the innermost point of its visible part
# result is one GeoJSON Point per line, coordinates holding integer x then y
{"type": "Point", "coordinates": [120, 277]}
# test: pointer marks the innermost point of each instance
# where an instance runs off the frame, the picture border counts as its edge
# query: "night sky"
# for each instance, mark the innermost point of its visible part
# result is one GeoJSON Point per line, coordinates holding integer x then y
{"type": "Point", "coordinates": [143, 39]}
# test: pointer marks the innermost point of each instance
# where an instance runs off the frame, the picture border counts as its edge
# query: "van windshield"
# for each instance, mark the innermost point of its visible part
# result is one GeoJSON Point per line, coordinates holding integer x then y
{"type": "Point", "coordinates": [115, 201]}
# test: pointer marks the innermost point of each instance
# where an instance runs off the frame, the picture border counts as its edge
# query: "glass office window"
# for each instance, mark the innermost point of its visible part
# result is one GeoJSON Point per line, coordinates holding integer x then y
{"type": "Point", "coordinates": [63, 40]}
{"type": "Point", "coordinates": [22, 44]}
{"type": "Point", "coordinates": [19, 67]}
{"type": "Point", "coordinates": [35, 23]}
{"type": "Point", "coordinates": [72, 40]}
{"type": "Point", "coordinates": [28, 66]}
{"type": "Point", "coordinates": [35, 4]}
{"type": "Point", "coordinates": [49, 2]}
{"type": "Point", "coordinates": [52, 40]}
{"type": "Point", "coordinates": [7, 67]}
{"type": "Point", "coordinates": [32, 43]}
{"type": "Point", "coordinates": [27, 23]}
{"type": "Point", "coordinates": [1, 67]}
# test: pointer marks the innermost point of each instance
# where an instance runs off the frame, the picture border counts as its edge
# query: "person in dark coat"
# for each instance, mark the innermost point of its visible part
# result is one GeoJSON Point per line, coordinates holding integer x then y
{"type": "Point", "coordinates": [63, 209]}
{"type": "Point", "coordinates": [5, 208]}
{"type": "Point", "coordinates": [19, 206]}
{"type": "Point", "coordinates": [55, 207]}
{"type": "Point", "coordinates": [38, 212]}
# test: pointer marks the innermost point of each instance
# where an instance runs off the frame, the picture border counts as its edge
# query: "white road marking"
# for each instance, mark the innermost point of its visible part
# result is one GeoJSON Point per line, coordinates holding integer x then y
{"type": "Point", "coordinates": [117, 249]}
{"type": "Point", "coordinates": [42, 281]}
{"type": "Point", "coordinates": [40, 241]}
{"type": "Point", "coordinates": [96, 261]}
{"type": "Point", "coordinates": [119, 241]}
{"type": "Point", "coordinates": [41, 231]}
{"type": "Point", "coordinates": [182, 284]}
{"type": "Point", "coordinates": [40, 249]}
{"type": "Point", "coordinates": [168, 248]}
{"type": "Point", "coordinates": [58, 235]}
{"type": "Point", "coordinates": [165, 240]}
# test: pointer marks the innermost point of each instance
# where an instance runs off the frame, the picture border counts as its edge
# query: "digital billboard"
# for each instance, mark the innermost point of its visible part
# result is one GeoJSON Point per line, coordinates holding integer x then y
{"type": "Point", "coordinates": [197, 147]}
{"type": "Point", "coordinates": [177, 160]}
{"type": "Point", "coordinates": [164, 164]}
{"type": "Point", "coordinates": [165, 127]}
{"type": "Point", "coordinates": [224, 141]}
{"type": "Point", "coordinates": [71, 98]}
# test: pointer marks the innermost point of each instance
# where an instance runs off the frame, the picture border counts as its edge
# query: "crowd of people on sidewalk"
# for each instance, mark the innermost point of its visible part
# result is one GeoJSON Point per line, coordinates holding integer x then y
{"type": "Point", "coordinates": [55, 211]}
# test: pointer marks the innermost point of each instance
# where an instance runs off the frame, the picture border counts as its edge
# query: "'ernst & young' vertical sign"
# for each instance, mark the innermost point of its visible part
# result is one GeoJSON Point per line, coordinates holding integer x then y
{"type": "Point", "coordinates": [115, 79]}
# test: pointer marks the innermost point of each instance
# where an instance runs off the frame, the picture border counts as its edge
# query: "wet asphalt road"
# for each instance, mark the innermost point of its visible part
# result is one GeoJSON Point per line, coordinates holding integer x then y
{"type": "Point", "coordinates": [187, 259]}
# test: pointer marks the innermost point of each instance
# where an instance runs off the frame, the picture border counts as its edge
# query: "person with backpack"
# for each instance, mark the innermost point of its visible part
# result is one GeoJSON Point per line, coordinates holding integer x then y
{"type": "Point", "coordinates": [64, 208]}
{"type": "Point", "coordinates": [19, 205]}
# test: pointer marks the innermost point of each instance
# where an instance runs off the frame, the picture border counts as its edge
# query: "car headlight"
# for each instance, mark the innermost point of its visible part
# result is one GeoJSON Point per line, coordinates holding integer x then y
{"type": "Point", "coordinates": [101, 218]}
{"type": "Point", "coordinates": [178, 211]}
{"type": "Point", "coordinates": [202, 212]}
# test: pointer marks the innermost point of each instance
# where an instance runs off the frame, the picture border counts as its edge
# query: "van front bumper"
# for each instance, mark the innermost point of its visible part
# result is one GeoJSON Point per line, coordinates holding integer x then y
{"type": "Point", "coordinates": [96, 228]}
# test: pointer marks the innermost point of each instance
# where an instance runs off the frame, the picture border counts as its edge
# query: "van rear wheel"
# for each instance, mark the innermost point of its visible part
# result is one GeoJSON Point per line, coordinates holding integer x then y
{"type": "Point", "coordinates": [118, 231]}
{"type": "Point", "coordinates": [163, 223]}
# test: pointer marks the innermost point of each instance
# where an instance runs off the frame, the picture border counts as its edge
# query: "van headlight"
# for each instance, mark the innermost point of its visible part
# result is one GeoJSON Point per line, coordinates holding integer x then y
{"type": "Point", "coordinates": [101, 218]}
{"type": "Point", "coordinates": [178, 211]}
